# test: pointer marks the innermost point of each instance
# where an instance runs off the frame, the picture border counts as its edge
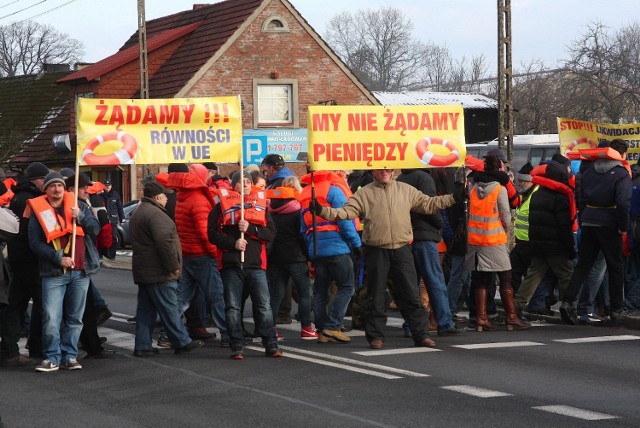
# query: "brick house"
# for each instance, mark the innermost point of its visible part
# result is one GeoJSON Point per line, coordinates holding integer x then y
{"type": "Point", "coordinates": [262, 50]}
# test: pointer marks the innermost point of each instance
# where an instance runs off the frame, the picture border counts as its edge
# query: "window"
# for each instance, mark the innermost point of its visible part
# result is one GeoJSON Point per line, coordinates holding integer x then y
{"type": "Point", "coordinates": [275, 24]}
{"type": "Point", "coordinates": [275, 102]}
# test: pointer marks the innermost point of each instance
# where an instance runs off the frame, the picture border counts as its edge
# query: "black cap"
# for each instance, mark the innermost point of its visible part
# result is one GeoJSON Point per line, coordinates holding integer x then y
{"type": "Point", "coordinates": [273, 160]}
{"type": "Point", "coordinates": [107, 182]}
{"type": "Point", "coordinates": [83, 180]}
{"type": "Point", "coordinates": [561, 159]}
{"type": "Point", "coordinates": [210, 165]}
{"type": "Point", "coordinates": [36, 170]}
{"type": "Point", "coordinates": [496, 152]}
{"type": "Point", "coordinates": [67, 172]}
{"type": "Point", "coordinates": [177, 167]}
{"type": "Point", "coordinates": [154, 188]}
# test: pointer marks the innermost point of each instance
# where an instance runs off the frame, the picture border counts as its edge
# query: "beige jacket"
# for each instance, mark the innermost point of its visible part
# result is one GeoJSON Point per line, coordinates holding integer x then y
{"type": "Point", "coordinates": [384, 210]}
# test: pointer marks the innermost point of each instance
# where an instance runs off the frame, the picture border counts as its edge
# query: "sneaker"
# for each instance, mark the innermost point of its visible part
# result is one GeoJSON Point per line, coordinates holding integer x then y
{"type": "Point", "coordinates": [324, 339]}
{"type": "Point", "coordinates": [279, 335]}
{"type": "Point", "coordinates": [163, 342]}
{"type": "Point", "coordinates": [201, 333]}
{"type": "Point", "coordinates": [18, 361]}
{"type": "Point", "coordinates": [225, 342]}
{"type": "Point", "coordinates": [70, 364]}
{"type": "Point", "coordinates": [273, 352]}
{"type": "Point", "coordinates": [103, 314]}
{"type": "Point", "coordinates": [308, 333]}
{"type": "Point", "coordinates": [590, 318]}
{"type": "Point", "coordinates": [189, 347]}
{"type": "Point", "coordinates": [407, 330]}
{"type": "Point", "coordinates": [455, 331]}
{"type": "Point", "coordinates": [568, 313]}
{"type": "Point", "coordinates": [337, 335]}
{"type": "Point", "coordinates": [145, 352]}
{"type": "Point", "coordinates": [47, 366]}
{"type": "Point", "coordinates": [237, 354]}
{"type": "Point", "coordinates": [620, 313]}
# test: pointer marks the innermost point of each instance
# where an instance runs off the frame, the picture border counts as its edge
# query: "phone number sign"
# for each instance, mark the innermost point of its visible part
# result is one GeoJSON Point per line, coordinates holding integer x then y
{"type": "Point", "coordinates": [288, 143]}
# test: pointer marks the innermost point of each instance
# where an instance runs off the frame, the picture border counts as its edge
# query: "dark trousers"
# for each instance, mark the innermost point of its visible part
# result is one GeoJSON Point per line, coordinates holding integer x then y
{"type": "Point", "coordinates": [380, 264]}
{"type": "Point", "coordinates": [89, 334]}
{"type": "Point", "coordinates": [25, 285]}
{"type": "Point", "coordinates": [520, 258]}
{"type": "Point", "coordinates": [592, 240]}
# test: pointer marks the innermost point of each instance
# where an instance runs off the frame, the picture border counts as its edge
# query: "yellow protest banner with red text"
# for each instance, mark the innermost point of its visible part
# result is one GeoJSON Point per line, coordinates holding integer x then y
{"type": "Point", "coordinates": [580, 134]}
{"type": "Point", "coordinates": [158, 131]}
{"type": "Point", "coordinates": [377, 137]}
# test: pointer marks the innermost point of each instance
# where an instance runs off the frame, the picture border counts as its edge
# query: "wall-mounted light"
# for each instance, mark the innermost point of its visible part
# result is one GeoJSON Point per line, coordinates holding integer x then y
{"type": "Point", "coordinates": [61, 143]}
{"type": "Point", "coordinates": [274, 74]}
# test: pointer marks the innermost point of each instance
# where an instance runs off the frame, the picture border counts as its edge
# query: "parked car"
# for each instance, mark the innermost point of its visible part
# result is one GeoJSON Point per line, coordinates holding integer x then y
{"type": "Point", "coordinates": [123, 229]}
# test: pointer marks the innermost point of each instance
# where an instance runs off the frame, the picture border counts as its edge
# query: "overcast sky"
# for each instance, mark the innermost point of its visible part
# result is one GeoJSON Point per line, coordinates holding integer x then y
{"type": "Point", "coordinates": [542, 29]}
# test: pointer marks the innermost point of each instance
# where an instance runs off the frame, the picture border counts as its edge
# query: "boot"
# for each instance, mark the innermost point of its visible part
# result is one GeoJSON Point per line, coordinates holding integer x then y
{"type": "Point", "coordinates": [482, 322]}
{"type": "Point", "coordinates": [512, 320]}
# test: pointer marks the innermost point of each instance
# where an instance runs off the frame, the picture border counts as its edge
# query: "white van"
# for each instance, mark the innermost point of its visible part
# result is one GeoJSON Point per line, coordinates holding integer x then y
{"type": "Point", "coordinates": [526, 148]}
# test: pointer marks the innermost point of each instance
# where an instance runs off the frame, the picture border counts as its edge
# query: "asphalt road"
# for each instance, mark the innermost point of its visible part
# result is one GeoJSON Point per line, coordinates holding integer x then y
{"type": "Point", "coordinates": [551, 375]}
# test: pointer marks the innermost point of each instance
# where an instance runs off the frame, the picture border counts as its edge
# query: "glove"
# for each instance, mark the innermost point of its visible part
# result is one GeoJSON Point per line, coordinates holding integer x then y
{"type": "Point", "coordinates": [315, 207]}
{"type": "Point", "coordinates": [459, 193]}
{"type": "Point", "coordinates": [357, 251]}
{"type": "Point", "coordinates": [460, 175]}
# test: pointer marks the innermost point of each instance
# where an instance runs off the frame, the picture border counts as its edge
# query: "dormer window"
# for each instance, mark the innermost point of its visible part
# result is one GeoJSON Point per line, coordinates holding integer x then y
{"type": "Point", "coordinates": [275, 24]}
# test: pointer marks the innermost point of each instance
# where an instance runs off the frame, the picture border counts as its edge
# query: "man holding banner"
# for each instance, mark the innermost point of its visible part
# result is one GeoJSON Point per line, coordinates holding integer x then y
{"type": "Point", "coordinates": [384, 206]}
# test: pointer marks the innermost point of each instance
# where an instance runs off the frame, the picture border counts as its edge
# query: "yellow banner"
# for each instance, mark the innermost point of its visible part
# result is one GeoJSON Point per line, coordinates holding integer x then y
{"type": "Point", "coordinates": [392, 137]}
{"type": "Point", "coordinates": [159, 131]}
{"type": "Point", "coordinates": [579, 134]}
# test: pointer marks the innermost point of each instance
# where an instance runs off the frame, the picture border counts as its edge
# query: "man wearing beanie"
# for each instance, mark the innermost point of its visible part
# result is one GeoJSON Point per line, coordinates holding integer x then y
{"type": "Point", "coordinates": [156, 268]}
{"type": "Point", "coordinates": [63, 268]}
{"type": "Point", "coordinates": [25, 281]}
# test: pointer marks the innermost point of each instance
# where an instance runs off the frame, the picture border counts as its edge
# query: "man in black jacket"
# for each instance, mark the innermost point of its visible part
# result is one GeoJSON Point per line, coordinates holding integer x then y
{"type": "Point", "coordinates": [551, 242]}
{"type": "Point", "coordinates": [25, 283]}
{"type": "Point", "coordinates": [604, 200]}
{"type": "Point", "coordinates": [427, 232]}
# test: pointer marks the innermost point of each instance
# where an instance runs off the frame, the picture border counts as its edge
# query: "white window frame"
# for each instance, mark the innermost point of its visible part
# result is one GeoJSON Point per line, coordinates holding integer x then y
{"type": "Point", "coordinates": [293, 121]}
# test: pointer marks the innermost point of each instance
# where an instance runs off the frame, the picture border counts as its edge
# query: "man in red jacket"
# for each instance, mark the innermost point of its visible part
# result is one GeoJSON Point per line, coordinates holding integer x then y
{"type": "Point", "coordinates": [194, 202]}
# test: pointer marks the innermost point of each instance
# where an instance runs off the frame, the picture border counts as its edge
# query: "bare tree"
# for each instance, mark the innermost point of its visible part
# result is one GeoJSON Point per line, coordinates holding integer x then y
{"type": "Point", "coordinates": [26, 46]}
{"type": "Point", "coordinates": [378, 47]}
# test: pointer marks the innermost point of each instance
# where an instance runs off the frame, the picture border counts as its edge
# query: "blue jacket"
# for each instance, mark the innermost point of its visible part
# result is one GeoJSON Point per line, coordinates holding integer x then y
{"type": "Point", "coordinates": [50, 259]}
{"type": "Point", "coordinates": [330, 242]}
{"type": "Point", "coordinates": [276, 180]}
{"type": "Point", "coordinates": [604, 195]}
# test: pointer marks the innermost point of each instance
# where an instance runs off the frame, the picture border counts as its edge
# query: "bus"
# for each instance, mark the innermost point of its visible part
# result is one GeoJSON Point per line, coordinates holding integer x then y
{"type": "Point", "coordinates": [526, 148]}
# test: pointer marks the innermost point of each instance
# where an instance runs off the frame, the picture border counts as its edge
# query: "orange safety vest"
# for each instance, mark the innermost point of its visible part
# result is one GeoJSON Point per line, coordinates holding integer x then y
{"type": "Point", "coordinates": [255, 207]}
{"type": "Point", "coordinates": [54, 225]}
{"type": "Point", "coordinates": [282, 193]}
{"type": "Point", "coordinates": [485, 228]}
{"type": "Point", "coordinates": [6, 197]}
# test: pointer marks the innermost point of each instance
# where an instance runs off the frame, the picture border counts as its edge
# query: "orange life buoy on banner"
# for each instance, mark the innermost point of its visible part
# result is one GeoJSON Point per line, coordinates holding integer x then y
{"type": "Point", "coordinates": [575, 143]}
{"type": "Point", "coordinates": [428, 157]}
{"type": "Point", "coordinates": [120, 156]}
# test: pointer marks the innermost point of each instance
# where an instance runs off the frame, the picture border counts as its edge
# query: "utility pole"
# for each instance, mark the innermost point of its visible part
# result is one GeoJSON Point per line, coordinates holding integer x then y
{"type": "Point", "coordinates": [505, 94]}
{"type": "Point", "coordinates": [142, 44]}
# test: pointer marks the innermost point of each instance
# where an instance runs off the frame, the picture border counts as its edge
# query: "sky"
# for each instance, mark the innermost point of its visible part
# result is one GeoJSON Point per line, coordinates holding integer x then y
{"type": "Point", "coordinates": [542, 29]}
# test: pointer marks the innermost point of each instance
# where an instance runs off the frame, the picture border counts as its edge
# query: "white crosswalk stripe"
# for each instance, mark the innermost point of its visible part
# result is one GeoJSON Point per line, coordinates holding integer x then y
{"type": "Point", "coordinates": [575, 412]}
{"type": "Point", "coordinates": [476, 391]}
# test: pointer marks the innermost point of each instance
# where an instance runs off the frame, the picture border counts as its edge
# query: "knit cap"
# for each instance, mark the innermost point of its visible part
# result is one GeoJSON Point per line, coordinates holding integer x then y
{"type": "Point", "coordinates": [525, 172]}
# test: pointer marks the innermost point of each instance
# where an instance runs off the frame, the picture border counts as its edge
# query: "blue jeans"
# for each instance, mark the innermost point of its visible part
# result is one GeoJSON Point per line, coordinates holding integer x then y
{"type": "Point", "coordinates": [632, 279]}
{"type": "Point", "coordinates": [159, 299]}
{"type": "Point", "coordinates": [63, 299]}
{"type": "Point", "coordinates": [459, 280]}
{"type": "Point", "coordinates": [202, 273]}
{"type": "Point", "coordinates": [279, 274]}
{"type": "Point", "coordinates": [591, 286]}
{"type": "Point", "coordinates": [338, 269]}
{"type": "Point", "coordinates": [427, 259]}
{"type": "Point", "coordinates": [255, 280]}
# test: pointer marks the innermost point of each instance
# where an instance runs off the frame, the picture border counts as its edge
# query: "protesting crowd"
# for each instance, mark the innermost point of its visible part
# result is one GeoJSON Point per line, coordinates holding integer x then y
{"type": "Point", "coordinates": [429, 242]}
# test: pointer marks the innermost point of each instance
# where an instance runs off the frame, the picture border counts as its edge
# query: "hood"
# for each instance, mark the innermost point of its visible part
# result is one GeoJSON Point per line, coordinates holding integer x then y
{"type": "Point", "coordinates": [199, 171]}
{"type": "Point", "coordinates": [483, 189]}
{"type": "Point", "coordinates": [635, 170]}
{"type": "Point", "coordinates": [603, 166]}
{"type": "Point", "coordinates": [24, 185]}
{"type": "Point", "coordinates": [185, 180]}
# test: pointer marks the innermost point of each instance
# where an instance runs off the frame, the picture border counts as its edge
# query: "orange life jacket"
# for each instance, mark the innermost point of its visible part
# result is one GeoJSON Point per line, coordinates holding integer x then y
{"type": "Point", "coordinates": [604, 153]}
{"type": "Point", "coordinates": [255, 207]}
{"type": "Point", "coordinates": [8, 195]}
{"type": "Point", "coordinates": [282, 193]}
{"type": "Point", "coordinates": [485, 227]}
{"type": "Point", "coordinates": [323, 180]}
{"type": "Point", "coordinates": [53, 225]}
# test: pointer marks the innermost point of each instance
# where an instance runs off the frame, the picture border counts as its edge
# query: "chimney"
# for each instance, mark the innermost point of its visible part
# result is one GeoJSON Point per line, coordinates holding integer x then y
{"type": "Point", "coordinates": [200, 5]}
{"type": "Point", "coordinates": [55, 68]}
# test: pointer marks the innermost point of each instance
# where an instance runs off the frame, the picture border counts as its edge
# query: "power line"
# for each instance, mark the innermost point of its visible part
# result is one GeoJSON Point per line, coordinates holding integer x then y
{"type": "Point", "coordinates": [47, 11]}
{"type": "Point", "coordinates": [9, 4]}
{"type": "Point", "coordinates": [22, 10]}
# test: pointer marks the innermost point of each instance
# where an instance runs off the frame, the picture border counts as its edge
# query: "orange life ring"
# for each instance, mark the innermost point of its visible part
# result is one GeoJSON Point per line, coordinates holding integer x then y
{"type": "Point", "coordinates": [586, 140]}
{"type": "Point", "coordinates": [428, 157]}
{"type": "Point", "coordinates": [123, 155]}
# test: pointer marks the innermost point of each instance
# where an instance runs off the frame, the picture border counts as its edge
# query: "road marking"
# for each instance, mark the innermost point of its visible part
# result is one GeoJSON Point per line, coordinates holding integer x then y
{"type": "Point", "coordinates": [475, 391]}
{"type": "Point", "coordinates": [395, 351]}
{"type": "Point", "coordinates": [574, 412]}
{"type": "Point", "coordinates": [599, 339]}
{"type": "Point", "coordinates": [118, 338]}
{"type": "Point", "coordinates": [331, 364]}
{"type": "Point", "coordinates": [497, 345]}
{"type": "Point", "coordinates": [354, 362]}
